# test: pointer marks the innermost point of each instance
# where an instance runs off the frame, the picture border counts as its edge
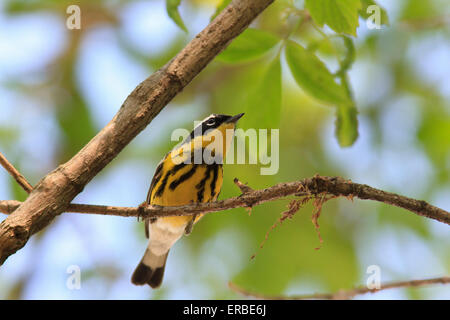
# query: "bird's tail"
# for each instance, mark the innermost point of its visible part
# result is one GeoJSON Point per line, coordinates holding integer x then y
{"type": "Point", "coordinates": [150, 270]}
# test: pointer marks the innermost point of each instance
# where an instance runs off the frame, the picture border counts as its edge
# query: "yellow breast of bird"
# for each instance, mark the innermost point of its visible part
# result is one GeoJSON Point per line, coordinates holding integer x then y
{"type": "Point", "coordinates": [186, 184]}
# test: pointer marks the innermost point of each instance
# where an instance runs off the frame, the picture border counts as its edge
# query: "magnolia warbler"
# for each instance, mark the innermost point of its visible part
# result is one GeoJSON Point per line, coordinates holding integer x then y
{"type": "Point", "coordinates": [183, 178]}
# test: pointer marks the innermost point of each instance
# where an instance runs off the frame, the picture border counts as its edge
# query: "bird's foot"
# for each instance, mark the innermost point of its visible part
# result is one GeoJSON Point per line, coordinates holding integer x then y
{"type": "Point", "coordinates": [190, 226]}
{"type": "Point", "coordinates": [140, 211]}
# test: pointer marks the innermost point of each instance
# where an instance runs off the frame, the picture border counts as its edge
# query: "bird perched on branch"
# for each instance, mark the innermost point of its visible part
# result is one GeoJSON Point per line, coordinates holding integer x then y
{"type": "Point", "coordinates": [190, 173]}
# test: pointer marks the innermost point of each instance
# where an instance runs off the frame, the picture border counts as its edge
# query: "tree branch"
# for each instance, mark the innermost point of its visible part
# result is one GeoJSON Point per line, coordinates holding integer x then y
{"type": "Point", "coordinates": [343, 294]}
{"type": "Point", "coordinates": [315, 186]}
{"type": "Point", "coordinates": [53, 194]}
{"type": "Point", "coordinates": [16, 174]}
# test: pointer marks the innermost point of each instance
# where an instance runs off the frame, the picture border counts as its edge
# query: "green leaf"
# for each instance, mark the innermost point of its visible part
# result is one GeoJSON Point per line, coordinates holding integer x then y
{"type": "Point", "coordinates": [221, 5]}
{"type": "Point", "coordinates": [251, 44]}
{"type": "Point", "coordinates": [339, 15]}
{"type": "Point", "coordinates": [264, 103]}
{"type": "Point", "coordinates": [313, 76]}
{"type": "Point", "coordinates": [434, 135]}
{"type": "Point", "coordinates": [346, 125]}
{"type": "Point", "coordinates": [346, 118]}
{"type": "Point", "coordinates": [384, 19]}
{"type": "Point", "coordinates": [172, 11]}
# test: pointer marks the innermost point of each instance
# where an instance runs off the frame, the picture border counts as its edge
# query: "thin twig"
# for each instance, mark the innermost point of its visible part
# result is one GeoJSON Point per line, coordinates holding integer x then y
{"type": "Point", "coordinates": [315, 186]}
{"type": "Point", "coordinates": [16, 174]}
{"type": "Point", "coordinates": [242, 186]}
{"type": "Point", "coordinates": [343, 294]}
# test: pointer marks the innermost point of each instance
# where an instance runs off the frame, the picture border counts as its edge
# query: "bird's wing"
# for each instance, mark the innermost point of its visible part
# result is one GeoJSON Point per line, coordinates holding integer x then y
{"type": "Point", "coordinates": [156, 178]}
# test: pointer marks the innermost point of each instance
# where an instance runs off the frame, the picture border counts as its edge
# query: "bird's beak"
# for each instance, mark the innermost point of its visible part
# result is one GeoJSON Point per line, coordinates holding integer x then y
{"type": "Point", "coordinates": [235, 118]}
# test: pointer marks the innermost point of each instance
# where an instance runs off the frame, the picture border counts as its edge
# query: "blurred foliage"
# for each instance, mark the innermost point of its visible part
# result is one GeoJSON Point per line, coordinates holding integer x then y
{"type": "Point", "coordinates": [251, 44]}
{"type": "Point", "coordinates": [172, 11]}
{"type": "Point", "coordinates": [291, 70]}
{"type": "Point", "coordinates": [366, 11]}
{"type": "Point", "coordinates": [313, 76]}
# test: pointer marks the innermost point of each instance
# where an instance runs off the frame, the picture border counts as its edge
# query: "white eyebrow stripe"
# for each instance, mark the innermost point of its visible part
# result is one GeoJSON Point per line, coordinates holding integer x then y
{"type": "Point", "coordinates": [199, 125]}
{"type": "Point", "coordinates": [207, 118]}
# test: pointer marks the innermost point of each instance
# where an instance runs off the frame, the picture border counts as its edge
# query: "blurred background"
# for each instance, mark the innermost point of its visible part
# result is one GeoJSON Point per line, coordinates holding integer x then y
{"type": "Point", "coordinates": [58, 87]}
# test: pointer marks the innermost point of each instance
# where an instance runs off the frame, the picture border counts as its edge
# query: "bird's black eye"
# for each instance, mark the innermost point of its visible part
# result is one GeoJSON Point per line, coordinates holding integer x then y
{"type": "Point", "coordinates": [211, 122]}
